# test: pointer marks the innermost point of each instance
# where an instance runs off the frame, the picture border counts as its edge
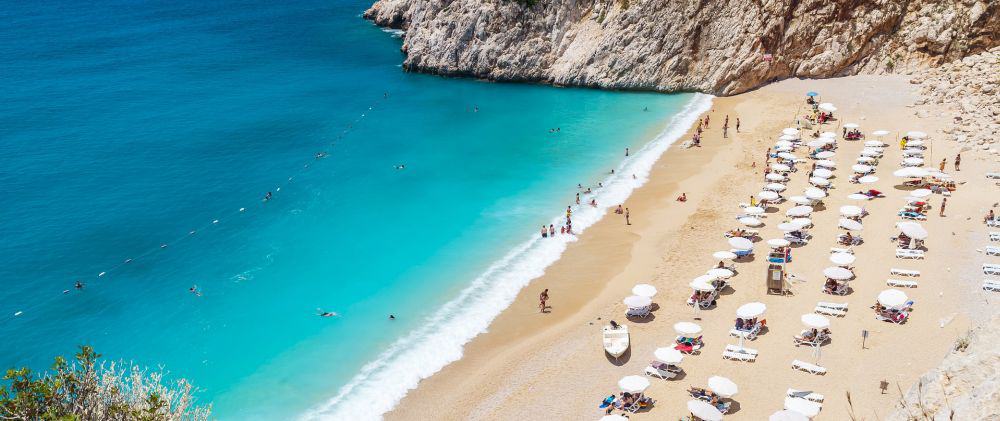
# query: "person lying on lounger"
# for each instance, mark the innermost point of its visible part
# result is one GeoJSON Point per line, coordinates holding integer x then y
{"type": "Point", "coordinates": [830, 286]}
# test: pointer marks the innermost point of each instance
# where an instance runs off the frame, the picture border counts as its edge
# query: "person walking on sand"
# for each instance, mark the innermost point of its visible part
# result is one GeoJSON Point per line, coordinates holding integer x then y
{"type": "Point", "coordinates": [542, 298]}
{"type": "Point", "coordinates": [943, 162]}
{"type": "Point", "coordinates": [627, 221]}
{"type": "Point", "coordinates": [958, 161]}
{"type": "Point", "coordinates": [737, 124]}
{"type": "Point", "coordinates": [944, 202]}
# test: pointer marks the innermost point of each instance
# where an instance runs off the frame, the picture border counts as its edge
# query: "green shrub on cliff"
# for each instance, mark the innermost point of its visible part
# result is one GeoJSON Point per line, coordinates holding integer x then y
{"type": "Point", "coordinates": [84, 390]}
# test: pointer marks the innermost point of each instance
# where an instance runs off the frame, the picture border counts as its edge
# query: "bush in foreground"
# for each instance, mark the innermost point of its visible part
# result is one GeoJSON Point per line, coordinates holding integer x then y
{"type": "Point", "coordinates": [84, 390]}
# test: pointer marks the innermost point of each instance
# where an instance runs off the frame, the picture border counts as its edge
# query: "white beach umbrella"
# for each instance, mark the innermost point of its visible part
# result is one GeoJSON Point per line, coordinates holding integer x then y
{"type": "Point", "coordinates": [724, 255]}
{"type": "Point", "coordinates": [802, 222]}
{"type": "Point", "coordinates": [910, 172]}
{"type": "Point", "coordinates": [633, 384]}
{"type": "Point", "coordinates": [862, 168]}
{"type": "Point", "coordinates": [915, 143]}
{"type": "Point", "coordinates": [784, 143]}
{"type": "Point", "coordinates": [815, 321]}
{"type": "Point", "coordinates": [828, 135]}
{"type": "Point", "coordinates": [701, 286]}
{"type": "Point", "coordinates": [880, 133]}
{"type": "Point", "coordinates": [822, 173]}
{"type": "Point", "coordinates": [913, 161]}
{"type": "Point", "coordinates": [754, 210]}
{"type": "Point", "coordinates": [913, 152]}
{"type": "Point", "coordinates": [616, 417]}
{"type": "Point", "coordinates": [911, 199]}
{"type": "Point", "coordinates": [778, 187]}
{"type": "Point", "coordinates": [788, 227]}
{"type": "Point", "coordinates": [644, 290]}
{"type": "Point", "coordinates": [874, 144]}
{"type": "Point", "coordinates": [787, 155]}
{"type": "Point", "coordinates": [767, 195]}
{"type": "Point", "coordinates": [687, 329]}
{"type": "Point", "coordinates": [720, 273]}
{"type": "Point", "coordinates": [825, 155]}
{"type": "Point", "coordinates": [851, 210]}
{"type": "Point", "coordinates": [751, 310]}
{"type": "Point", "coordinates": [837, 273]}
{"type": "Point", "coordinates": [802, 406]}
{"type": "Point", "coordinates": [801, 200]}
{"type": "Point", "coordinates": [722, 386]}
{"type": "Point", "coordinates": [865, 159]}
{"type": "Point", "coordinates": [850, 126]}
{"type": "Point", "coordinates": [913, 230]}
{"type": "Point", "coordinates": [637, 301]}
{"type": "Point", "coordinates": [771, 176]}
{"type": "Point", "coordinates": [868, 179]}
{"type": "Point", "coordinates": [784, 415]}
{"type": "Point", "coordinates": [817, 143]}
{"type": "Point", "coordinates": [858, 196]}
{"type": "Point", "coordinates": [921, 193]}
{"type": "Point", "coordinates": [780, 167]}
{"type": "Point", "coordinates": [850, 225]}
{"type": "Point", "coordinates": [870, 152]}
{"type": "Point", "coordinates": [751, 221]}
{"type": "Point", "coordinates": [940, 175]}
{"type": "Point", "coordinates": [814, 193]}
{"type": "Point", "coordinates": [778, 242]}
{"type": "Point", "coordinates": [668, 355]}
{"type": "Point", "coordinates": [916, 134]}
{"type": "Point", "coordinates": [800, 210]}
{"type": "Point", "coordinates": [819, 181]}
{"type": "Point", "coordinates": [790, 131]}
{"type": "Point", "coordinates": [842, 259]}
{"type": "Point", "coordinates": [740, 243]}
{"type": "Point", "coordinates": [704, 410]}
{"type": "Point", "coordinates": [828, 107]}
{"type": "Point", "coordinates": [705, 279]}
{"type": "Point", "coordinates": [826, 163]}
{"type": "Point", "coordinates": [892, 298]}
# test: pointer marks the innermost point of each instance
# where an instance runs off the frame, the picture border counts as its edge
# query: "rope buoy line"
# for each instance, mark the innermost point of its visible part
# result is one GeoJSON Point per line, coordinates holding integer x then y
{"type": "Point", "coordinates": [79, 284]}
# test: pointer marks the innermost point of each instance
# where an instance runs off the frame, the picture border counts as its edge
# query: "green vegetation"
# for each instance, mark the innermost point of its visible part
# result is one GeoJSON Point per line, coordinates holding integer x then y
{"type": "Point", "coordinates": [85, 391]}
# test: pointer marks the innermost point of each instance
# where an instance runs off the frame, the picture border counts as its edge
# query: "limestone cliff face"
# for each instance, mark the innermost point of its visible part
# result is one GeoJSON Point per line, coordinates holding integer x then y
{"type": "Point", "coordinates": [714, 46]}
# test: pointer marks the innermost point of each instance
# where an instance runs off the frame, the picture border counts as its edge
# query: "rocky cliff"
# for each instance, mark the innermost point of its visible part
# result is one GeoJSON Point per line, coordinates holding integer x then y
{"type": "Point", "coordinates": [965, 387]}
{"type": "Point", "coordinates": [713, 46]}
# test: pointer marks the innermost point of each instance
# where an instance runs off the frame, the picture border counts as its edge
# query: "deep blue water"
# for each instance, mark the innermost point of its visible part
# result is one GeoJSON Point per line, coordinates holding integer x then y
{"type": "Point", "coordinates": [125, 125]}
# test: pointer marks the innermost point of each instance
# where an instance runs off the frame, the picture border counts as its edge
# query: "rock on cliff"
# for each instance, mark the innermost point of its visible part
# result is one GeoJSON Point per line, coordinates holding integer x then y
{"type": "Point", "coordinates": [965, 387]}
{"type": "Point", "coordinates": [714, 46]}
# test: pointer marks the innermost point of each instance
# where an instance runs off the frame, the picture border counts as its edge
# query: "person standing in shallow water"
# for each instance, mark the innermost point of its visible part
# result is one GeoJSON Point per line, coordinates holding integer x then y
{"type": "Point", "coordinates": [627, 221]}
{"type": "Point", "coordinates": [545, 232]}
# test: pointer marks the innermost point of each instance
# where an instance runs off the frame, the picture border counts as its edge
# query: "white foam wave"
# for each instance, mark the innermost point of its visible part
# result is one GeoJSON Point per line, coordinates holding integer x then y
{"type": "Point", "coordinates": [381, 383]}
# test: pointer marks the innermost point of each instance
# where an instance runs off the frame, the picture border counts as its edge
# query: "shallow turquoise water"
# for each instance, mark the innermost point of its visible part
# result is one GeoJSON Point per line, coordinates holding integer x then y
{"type": "Point", "coordinates": [126, 125]}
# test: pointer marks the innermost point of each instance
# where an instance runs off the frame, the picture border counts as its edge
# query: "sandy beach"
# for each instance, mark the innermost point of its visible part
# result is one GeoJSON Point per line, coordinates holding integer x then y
{"type": "Point", "coordinates": [551, 366]}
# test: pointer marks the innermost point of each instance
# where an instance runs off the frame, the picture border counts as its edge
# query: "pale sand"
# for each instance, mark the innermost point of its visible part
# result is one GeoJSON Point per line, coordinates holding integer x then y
{"type": "Point", "coordinates": [552, 366]}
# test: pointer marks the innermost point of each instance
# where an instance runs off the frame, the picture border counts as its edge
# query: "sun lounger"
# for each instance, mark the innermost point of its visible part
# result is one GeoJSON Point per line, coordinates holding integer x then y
{"type": "Point", "coordinates": [902, 316]}
{"type": "Point", "coordinates": [747, 334]}
{"type": "Point", "coordinates": [909, 254]}
{"type": "Point", "coordinates": [744, 350]}
{"type": "Point", "coordinates": [992, 251]}
{"type": "Point", "coordinates": [808, 367]}
{"type": "Point", "coordinates": [912, 216]}
{"type": "Point", "coordinates": [830, 311]}
{"type": "Point", "coordinates": [835, 306]}
{"type": "Point", "coordinates": [991, 285]}
{"type": "Point", "coordinates": [660, 372]}
{"type": "Point", "coordinates": [841, 289]}
{"type": "Point", "coordinates": [993, 223]}
{"type": "Point", "coordinates": [819, 339]}
{"type": "Point", "coordinates": [901, 283]}
{"type": "Point", "coordinates": [746, 234]}
{"type": "Point", "coordinates": [994, 236]}
{"type": "Point", "coordinates": [904, 272]}
{"type": "Point", "coordinates": [993, 175]}
{"type": "Point", "coordinates": [841, 250]}
{"type": "Point", "coordinates": [991, 269]}
{"type": "Point", "coordinates": [739, 356]}
{"type": "Point", "coordinates": [805, 394]}
{"type": "Point", "coordinates": [637, 312]}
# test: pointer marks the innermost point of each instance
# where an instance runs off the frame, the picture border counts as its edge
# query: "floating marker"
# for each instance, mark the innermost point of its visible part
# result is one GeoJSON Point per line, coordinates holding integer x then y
{"type": "Point", "coordinates": [101, 274]}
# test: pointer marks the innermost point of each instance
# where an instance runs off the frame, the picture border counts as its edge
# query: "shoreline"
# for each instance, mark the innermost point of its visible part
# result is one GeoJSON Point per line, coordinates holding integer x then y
{"type": "Point", "coordinates": [487, 296]}
{"type": "Point", "coordinates": [530, 364]}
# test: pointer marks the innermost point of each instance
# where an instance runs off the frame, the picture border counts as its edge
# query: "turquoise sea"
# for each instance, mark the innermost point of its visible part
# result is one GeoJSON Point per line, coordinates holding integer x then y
{"type": "Point", "coordinates": [138, 139]}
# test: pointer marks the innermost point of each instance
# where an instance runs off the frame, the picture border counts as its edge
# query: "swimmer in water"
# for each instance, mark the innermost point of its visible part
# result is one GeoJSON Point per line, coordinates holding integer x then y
{"type": "Point", "coordinates": [321, 313]}
{"type": "Point", "coordinates": [400, 167]}
{"type": "Point", "coordinates": [267, 196]}
{"type": "Point", "coordinates": [320, 155]}
{"type": "Point", "coordinates": [78, 285]}
{"type": "Point", "coordinates": [391, 317]}
{"type": "Point", "coordinates": [194, 290]}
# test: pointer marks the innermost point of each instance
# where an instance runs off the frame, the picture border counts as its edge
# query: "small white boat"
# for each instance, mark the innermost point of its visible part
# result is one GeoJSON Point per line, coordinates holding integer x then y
{"type": "Point", "coordinates": [616, 340]}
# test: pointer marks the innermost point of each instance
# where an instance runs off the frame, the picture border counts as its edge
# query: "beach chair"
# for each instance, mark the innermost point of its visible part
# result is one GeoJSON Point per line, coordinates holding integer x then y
{"type": "Point", "coordinates": [912, 216]}
{"type": "Point", "coordinates": [805, 394]}
{"type": "Point", "coordinates": [993, 175]}
{"type": "Point", "coordinates": [993, 223]}
{"type": "Point", "coordinates": [835, 306]}
{"type": "Point", "coordinates": [992, 251]}
{"type": "Point", "coordinates": [820, 338]}
{"type": "Point", "coordinates": [991, 285]}
{"type": "Point", "coordinates": [747, 334]}
{"type": "Point", "coordinates": [743, 350]}
{"type": "Point", "coordinates": [904, 272]}
{"type": "Point", "coordinates": [848, 250]}
{"type": "Point", "coordinates": [829, 311]}
{"type": "Point", "coordinates": [637, 312]}
{"type": "Point", "coordinates": [808, 367]}
{"type": "Point", "coordinates": [739, 356]}
{"type": "Point", "coordinates": [901, 283]}
{"type": "Point", "coordinates": [798, 240]}
{"type": "Point", "coordinates": [909, 254]}
{"type": "Point", "coordinates": [897, 318]}
{"type": "Point", "coordinates": [841, 289]}
{"type": "Point", "coordinates": [991, 269]}
{"type": "Point", "coordinates": [994, 236]}
{"type": "Point", "coordinates": [658, 369]}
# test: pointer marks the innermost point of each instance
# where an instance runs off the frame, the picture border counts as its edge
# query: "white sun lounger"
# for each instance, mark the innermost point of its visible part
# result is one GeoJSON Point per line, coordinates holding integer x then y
{"type": "Point", "coordinates": [993, 223]}
{"type": "Point", "coordinates": [835, 306]}
{"type": "Point", "coordinates": [909, 254]}
{"type": "Point", "coordinates": [808, 367]}
{"type": "Point", "coordinates": [994, 236]}
{"type": "Point", "coordinates": [805, 394]}
{"type": "Point", "coordinates": [992, 251]}
{"type": "Point", "coordinates": [904, 272]}
{"type": "Point", "coordinates": [841, 250]}
{"type": "Point", "coordinates": [993, 175]}
{"type": "Point", "coordinates": [744, 350]}
{"type": "Point", "coordinates": [739, 356]}
{"type": "Point", "coordinates": [830, 311]}
{"type": "Point", "coordinates": [663, 374]}
{"type": "Point", "coordinates": [901, 283]}
{"type": "Point", "coordinates": [991, 285]}
{"type": "Point", "coordinates": [747, 334]}
{"type": "Point", "coordinates": [991, 269]}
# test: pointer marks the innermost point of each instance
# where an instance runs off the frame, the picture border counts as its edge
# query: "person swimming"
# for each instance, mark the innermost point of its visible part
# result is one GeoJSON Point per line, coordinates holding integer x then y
{"type": "Point", "coordinates": [78, 285]}
{"type": "Point", "coordinates": [392, 317]}
{"type": "Point", "coordinates": [400, 167]}
{"type": "Point", "coordinates": [194, 290]}
{"type": "Point", "coordinates": [321, 313]}
{"type": "Point", "coordinates": [267, 196]}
